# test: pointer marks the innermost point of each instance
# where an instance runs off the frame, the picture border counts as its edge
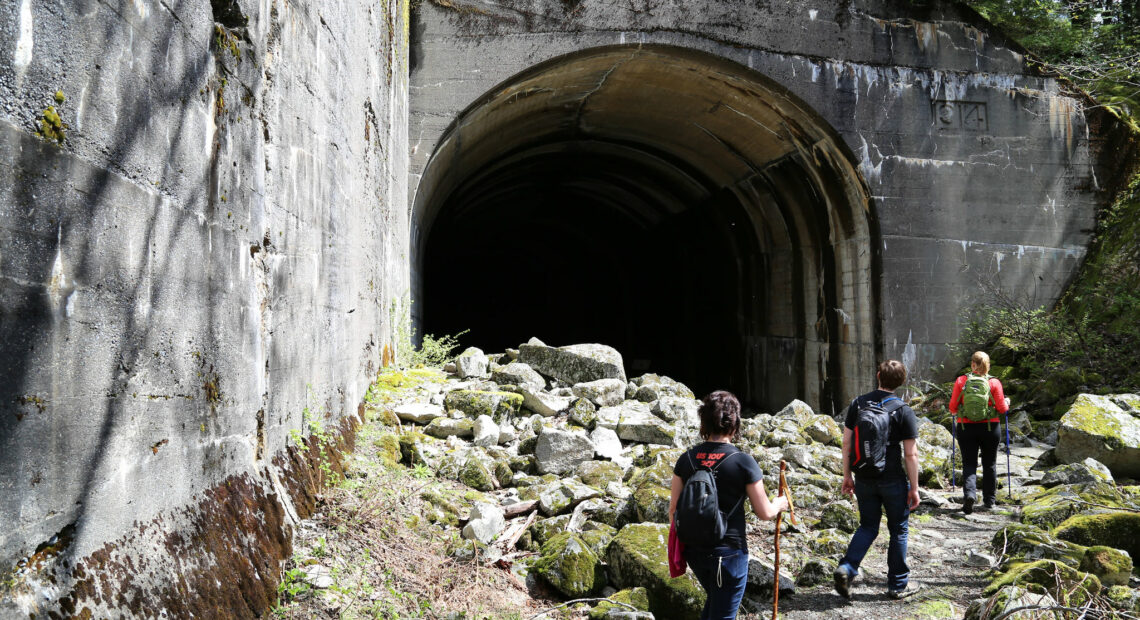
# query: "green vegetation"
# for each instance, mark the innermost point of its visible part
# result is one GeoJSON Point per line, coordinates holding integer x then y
{"type": "Point", "coordinates": [433, 352]}
{"type": "Point", "coordinates": [1093, 43]}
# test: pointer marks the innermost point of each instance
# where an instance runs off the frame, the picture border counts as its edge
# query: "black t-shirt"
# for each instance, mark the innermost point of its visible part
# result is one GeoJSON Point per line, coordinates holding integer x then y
{"type": "Point", "coordinates": [903, 426]}
{"type": "Point", "coordinates": [731, 475]}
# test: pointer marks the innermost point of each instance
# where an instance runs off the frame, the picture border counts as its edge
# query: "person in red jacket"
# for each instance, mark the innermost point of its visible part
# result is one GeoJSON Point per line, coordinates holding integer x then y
{"type": "Point", "coordinates": [979, 435]}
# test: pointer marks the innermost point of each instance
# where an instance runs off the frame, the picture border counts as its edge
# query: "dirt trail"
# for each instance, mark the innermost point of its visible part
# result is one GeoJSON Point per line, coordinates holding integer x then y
{"type": "Point", "coordinates": [939, 541]}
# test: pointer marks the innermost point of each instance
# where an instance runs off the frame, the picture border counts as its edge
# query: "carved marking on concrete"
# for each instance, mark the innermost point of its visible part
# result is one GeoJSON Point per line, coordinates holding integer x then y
{"type": "Point", "coordinates": [950, 115]}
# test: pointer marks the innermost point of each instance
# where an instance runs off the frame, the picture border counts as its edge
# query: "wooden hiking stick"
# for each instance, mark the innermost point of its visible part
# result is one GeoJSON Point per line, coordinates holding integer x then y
{"type": "Point", "coordinates": [783, 490]}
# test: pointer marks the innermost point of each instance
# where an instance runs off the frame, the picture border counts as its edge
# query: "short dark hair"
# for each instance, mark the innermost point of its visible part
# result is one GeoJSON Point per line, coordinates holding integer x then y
{"type": "Point", "coordinates": [720, 415]}
{"type": "Point", "coordinates": [891, 374]}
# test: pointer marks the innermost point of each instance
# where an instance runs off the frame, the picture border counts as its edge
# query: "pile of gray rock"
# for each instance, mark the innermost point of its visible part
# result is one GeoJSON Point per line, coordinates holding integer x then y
{"type": "Point", "coordinates": [570, 462]}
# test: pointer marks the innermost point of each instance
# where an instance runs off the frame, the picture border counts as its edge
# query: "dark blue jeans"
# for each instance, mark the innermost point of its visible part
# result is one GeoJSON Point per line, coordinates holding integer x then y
{"type": "Point", "coordinates": [723, 574]}
{"type": "Point", "coordinates": [875, 497]}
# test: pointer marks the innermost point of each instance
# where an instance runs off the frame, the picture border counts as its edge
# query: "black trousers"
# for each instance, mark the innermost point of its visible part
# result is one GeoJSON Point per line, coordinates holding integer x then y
{"type": "Point", "coordinates": [975, 437]}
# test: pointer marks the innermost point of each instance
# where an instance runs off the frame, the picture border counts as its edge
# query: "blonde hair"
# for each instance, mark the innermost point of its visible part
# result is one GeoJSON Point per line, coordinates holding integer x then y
{"type": "Point", "coordinates": [980, 363]}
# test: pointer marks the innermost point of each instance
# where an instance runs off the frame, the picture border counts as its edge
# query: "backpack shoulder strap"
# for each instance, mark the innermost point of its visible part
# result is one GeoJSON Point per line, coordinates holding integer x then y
{"type": "Point", "coordinates": [889, 408]}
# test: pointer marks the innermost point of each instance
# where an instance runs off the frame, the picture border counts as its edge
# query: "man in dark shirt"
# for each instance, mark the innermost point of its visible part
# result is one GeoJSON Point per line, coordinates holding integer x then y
{"type": "Point", "coordinates": [894, 492]}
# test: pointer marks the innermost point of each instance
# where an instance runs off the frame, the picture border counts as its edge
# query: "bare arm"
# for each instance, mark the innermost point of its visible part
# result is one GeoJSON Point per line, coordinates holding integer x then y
{"type": "Point", "coordinates": [910, 456]}
{"type": "Point", "coordinates": [848, 481]}
{"type": "Point", "coordinates": [674, 494]}
{"type": "Point", "coordinates": [763, 507]}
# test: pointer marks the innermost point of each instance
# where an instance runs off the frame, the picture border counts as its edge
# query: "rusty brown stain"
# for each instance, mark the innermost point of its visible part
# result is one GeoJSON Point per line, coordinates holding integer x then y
{"type": "Point", "coordinates": [226, 563]}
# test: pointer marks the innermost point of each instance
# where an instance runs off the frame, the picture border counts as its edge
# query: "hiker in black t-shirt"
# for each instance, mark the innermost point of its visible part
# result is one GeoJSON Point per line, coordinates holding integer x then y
{"type": "Point", "coordinates": [723, 570]}
{"type": "Point", "coordinates": [895, 491]}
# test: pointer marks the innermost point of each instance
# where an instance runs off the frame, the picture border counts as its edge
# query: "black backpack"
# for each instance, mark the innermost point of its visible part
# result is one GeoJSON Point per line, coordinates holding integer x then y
{"type": "Point", "coordinates": [870, 437]}
{"type": "Point", "coordinates": [700, 521]}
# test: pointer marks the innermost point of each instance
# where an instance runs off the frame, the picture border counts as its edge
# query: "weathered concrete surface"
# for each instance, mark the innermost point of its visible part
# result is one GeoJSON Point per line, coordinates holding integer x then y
{"type": "Point", "coordinates": [213, 250]}
{"type": "Point", "coordinates": [928, 164]}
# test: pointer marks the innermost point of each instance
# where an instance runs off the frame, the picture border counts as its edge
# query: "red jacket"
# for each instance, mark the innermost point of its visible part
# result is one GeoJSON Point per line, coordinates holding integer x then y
{"type": "Point", "coordinates": [997, 399]}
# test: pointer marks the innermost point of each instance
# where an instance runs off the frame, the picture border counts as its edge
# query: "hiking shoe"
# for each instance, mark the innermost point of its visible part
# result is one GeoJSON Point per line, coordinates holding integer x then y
{"type": "Point", "coordinates": [842, 582]}
{"type": "Point", "coordinates": [911, 588]}
{"type": "Point", "coordinates": [968, 505]}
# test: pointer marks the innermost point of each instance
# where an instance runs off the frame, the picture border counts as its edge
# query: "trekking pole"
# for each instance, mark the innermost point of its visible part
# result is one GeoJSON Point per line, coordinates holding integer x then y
{"type": "Point", "coordinates": [953, 448]}
{"type": "Point", "coordinates": [782, 490]}
{"type": "Point", "coordinates": [1008, 473]}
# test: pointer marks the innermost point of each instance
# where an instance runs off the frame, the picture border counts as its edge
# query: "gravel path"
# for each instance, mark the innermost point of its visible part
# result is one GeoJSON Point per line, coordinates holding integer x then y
{"type": "Point", "coordinates": [939, 541]}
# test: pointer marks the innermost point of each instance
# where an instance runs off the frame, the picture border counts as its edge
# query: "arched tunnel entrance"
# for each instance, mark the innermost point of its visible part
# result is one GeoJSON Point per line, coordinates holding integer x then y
{"type": "Point", "coordinates": [670, 203]}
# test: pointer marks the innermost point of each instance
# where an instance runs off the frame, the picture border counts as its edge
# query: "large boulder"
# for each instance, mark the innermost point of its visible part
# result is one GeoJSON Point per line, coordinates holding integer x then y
{"type": "Point", "coordinates": [499, 406]}
{"type": "Point", "coordinates": [634, 421]}
{"type": "Point", "coordinates": [518, 374]}
{"type": "Point", "coordinates": [486, 432]}
{"type": "Point", "coordinates": [601, 392]}
{"type": "Point", "coordinates": [599, 474]}
{"type": "Point", "coordinates": [1112, 566]}
{"type": "Point", "coordinates": [544, 403]}
{"type": "Point", "coordinates": [573, 364]}
{"type": "Point", "coordinates": [683, 411]}
{"type": "Point", "coordinates": [637, 557]}
{"type": "Point", "coordinates": [559, 452]}
{"type": "Point", "coordinates": [637, 598]}
{"type": "Point", "coordinates": [567, 563]}
{"type": "Point", "coordinates": [471, 363]}
{"type": "Point", "coordinates": [1085, 472]}
{"type": "Point", "coordinates": [560, 496]}
{"type": "Point", "coordinates": [606, 443]}
{"type": "Point", "coordinates": [1110, 529]}
{"type": "Point", "coordinates": [1096, 427]}
{"type": "Point", "coordinates": [1049, 507]}
{"type": "Point", "coordinates": [762, 573]}
{"type": "Point", "coordinates": [824, 429]}
{"type": "Point", "coordinates": [652, 504]}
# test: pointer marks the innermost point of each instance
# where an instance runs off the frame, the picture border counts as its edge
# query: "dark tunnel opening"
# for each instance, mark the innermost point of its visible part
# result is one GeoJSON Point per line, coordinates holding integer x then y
{"type": "Point", "coordinates": [671, 204]}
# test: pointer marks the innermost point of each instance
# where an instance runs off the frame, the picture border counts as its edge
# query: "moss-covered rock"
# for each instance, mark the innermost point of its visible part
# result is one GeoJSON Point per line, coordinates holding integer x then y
{"type": "Point", "coordinates": [1096, 427]}
{"type": "Point", "coordinates": [442, 428]}
{"type": "Point", "coordinates": [388, 449]}
{"type": "Point", "coordinates": [599, 474]}
{"type": "Point", "coordinates": [652, 504]}
{"type": "Point", "coordinates": [477, 475]}
{"type": "Point", "coordinates": [1054, 577]}
{"type": "Point", "coordinates": [567, 563]}
{"type": "Point", "coordinates": [1026, 543]}
{"type": "Point", "coordinates": [545, 529]}
{"type": "Point", "coordinates": [638, 598]}
{"type": "Point", "coordinates": [637, 557]}
{"type": "Point", "coordinates": [827, 542]}
{"type": "Point", "coordinates": [412, 448]}
{"type": "Point", "coordinates": [1113, 529]}
{"type": "Point", "coordinates": [1111, 566]}
{"type": "Point", "coordinates": [1050, 507]}
{"type": "Point", "coordinates": [598, 536]}
{"type": "Point", "coordinates": [839, 515]}
{"type": "Point", "coordinates": [499, 406]}
{"type": "Point", "coordinates": [584, 413]}
{"type": "Point", "coordinates": [1009, 598]}
{"type": "Point", "coordinates": [816, 571]}
{"type": "Point", "coordinates": [824, 429]}
{"type": "Point", "coordinates": [1123, 598]}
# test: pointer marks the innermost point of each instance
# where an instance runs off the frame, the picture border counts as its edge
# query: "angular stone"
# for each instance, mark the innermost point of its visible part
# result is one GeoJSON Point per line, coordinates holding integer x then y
{"type": "Point", "coordinates": [1112, 566]}
{"type": "Point", "coordinates": [519, 374]}
{"type": "Point", "coordinates": [420, 413]}
{"type": "Point", "coordinates": [484, 523]}
{"type": "Point", "coordinates": [602, 392]}
{"type": "Point", "coordinates": [637, 557]}
{"type": "Point", "coordinates": [633, 421]}
{"type": "Point", "coordinates": [839, 515]}
{"type": "Point", "coordinates": [544, 403]}
{"type": "Point", "coordinates": [477, 475]}
{"type": "Point", "coordinates": [560, 496]}
{"type": "Point", "coordinates": [825, 430]}
{"type": "Point", "coordinates": [661, 386]}
{"type": "Point", "coordinates": [442, 428]}
{"type": "Point", "coordinates": [1077, 473]}
{"type": "Point", "coordinates": [1095, 427]}
{"type": "Point", "coordinates": [599, 474]}
{"type": "Point", "coordinates": [583, 413]}
{"type": "Point", "coordinates": [575, 363]}
{"type": "Point", "coordinates": [486, 432]}
{"type": "Point", "coordinates": [471, 363]}
{"type": "Point", "coordinates": [570, 565]}
{"type": "Point", "coordinates": [652, 504]}
{"type": "Point", "coordinates": [606, 443]}
{"type": "Point", "coordinates": [815, 571]}
{"type": "Point", "coordinates": [761, 574]}
{"type": "Point", "coordinates": [559, 452]}
{"type": "Point", "coordinates": [499, 406]}
{"type": "Point", "coordinates": [677, 409]}
{"type": "Point", "coordinates": [799, 411]}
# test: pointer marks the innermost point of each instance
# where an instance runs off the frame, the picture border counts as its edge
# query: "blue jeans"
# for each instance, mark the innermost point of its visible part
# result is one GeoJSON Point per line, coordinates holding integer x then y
{"type": "Point", "coordinates": [723, 574]}
{"type": "Point", "coordinates": [874, 497]}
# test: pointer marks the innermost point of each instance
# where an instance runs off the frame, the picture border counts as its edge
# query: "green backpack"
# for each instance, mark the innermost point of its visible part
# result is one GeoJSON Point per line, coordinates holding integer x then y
{"type": "Point", "coordinates": [976, 398]}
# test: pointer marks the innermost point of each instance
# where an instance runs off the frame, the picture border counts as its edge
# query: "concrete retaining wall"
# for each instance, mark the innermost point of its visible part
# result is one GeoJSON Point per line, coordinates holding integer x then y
{"type": "Point", "coordinates": [208, 257]}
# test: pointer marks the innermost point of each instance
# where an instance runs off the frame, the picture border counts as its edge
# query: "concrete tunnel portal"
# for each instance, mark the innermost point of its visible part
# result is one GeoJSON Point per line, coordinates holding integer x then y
{"type": "Point", "coordinates": [671, 203]}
